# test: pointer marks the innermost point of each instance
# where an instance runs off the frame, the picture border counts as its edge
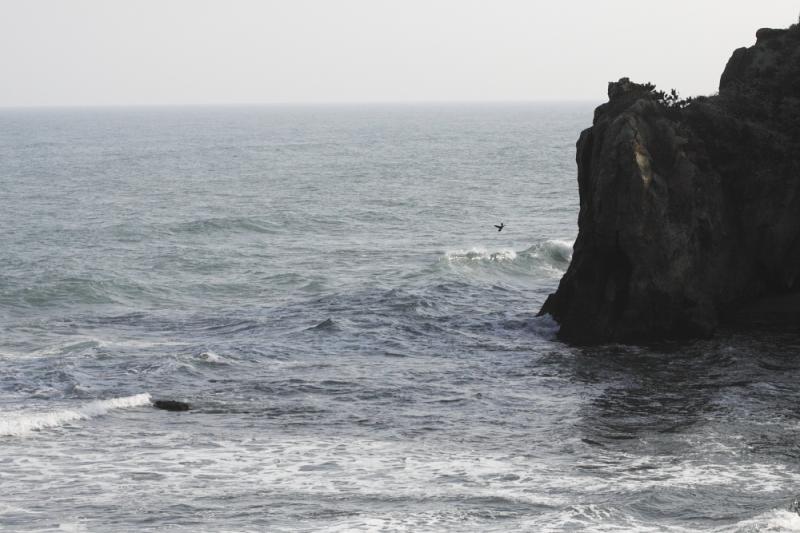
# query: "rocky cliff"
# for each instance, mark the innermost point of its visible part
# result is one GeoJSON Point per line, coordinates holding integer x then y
{"type": "Point", "coordinates": [689, 211]}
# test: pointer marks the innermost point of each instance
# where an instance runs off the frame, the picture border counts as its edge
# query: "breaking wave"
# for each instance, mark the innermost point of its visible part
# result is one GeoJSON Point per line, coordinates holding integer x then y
{"type": "Point", "coordinates": [550, 256]}
{"type": "Point", "coordinates": [481, 254]}
{"type": "Point", "coordinates": [23, 423]}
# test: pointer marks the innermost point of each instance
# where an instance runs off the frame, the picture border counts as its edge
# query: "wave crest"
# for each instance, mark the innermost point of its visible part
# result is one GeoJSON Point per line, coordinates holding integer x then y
{"type": "Point", "coordinates": [551, 257]}
{"type": "Point", "coordinates": [23, 423]}
{"type": "Point", "coordinates": [481, 254]}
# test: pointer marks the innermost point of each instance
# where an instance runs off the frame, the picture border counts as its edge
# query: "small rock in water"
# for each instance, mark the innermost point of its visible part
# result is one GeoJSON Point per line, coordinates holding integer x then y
{"type": "Point", "coordinates": [327, 324]}
{"type": "Point", "coordinates": [171, 405]}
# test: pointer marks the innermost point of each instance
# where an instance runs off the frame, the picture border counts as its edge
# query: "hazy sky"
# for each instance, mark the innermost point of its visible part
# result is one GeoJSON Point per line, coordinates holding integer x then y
{"type": "Point", "coordinates": [79, 52]}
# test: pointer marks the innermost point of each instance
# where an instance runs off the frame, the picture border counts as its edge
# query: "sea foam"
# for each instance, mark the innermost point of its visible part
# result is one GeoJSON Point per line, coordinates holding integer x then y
{"type": "Point", "coordinates": [22, 423]}
{"type": "Point", "coordinates": [481, 254]}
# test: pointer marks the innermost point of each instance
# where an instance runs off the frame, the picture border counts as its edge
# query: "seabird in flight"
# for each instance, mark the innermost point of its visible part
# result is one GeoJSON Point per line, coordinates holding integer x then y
{"type": "Point", "coordinates": [500, 227]}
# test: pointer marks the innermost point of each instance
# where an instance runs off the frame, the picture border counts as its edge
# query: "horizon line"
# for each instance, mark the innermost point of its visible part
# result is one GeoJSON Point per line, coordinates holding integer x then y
{"type": "Point", "coordinates": [344, 103]}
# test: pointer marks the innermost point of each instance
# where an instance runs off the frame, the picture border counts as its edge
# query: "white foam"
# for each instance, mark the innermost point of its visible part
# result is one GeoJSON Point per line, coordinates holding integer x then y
{"type": "Point", "coordinates": [545, 326]}
{"type": "Point", "coordinates": [134, 343]}
{"type": "Point", "coordinates": [590, 518]}
{"type": "Point", "coordinates": [553, 250]}
{"type": "Point", "coordinates": [17, 424]}
{"type": "Point", "coordinates": [549, 258]}
{"type": "Point", "coordinates": [773, 521]}
{"type": "Point", "coordinates": [563, 243]}
{"type": "Point", "coordinates": [480, 254]}
{"type": "Point", "coordinates": [212, 357]}
{"type": "Point", "coordinates": [415, 480]}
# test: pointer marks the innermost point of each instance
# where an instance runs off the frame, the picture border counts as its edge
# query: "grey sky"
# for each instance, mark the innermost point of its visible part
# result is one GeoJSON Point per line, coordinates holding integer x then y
{"type": "Point", "coordinates": [83, 52]}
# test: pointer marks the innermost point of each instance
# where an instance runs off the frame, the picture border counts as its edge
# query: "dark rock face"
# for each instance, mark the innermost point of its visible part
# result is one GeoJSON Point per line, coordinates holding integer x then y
{"type": "Point", "coordinates": [171, 405]}
{"type": "Point", "coordinates": [687, 214]}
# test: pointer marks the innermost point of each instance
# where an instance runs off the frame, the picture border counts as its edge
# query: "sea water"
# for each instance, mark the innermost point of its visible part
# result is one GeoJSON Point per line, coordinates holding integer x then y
{"type": "Point", "coordinates": [359, 344]}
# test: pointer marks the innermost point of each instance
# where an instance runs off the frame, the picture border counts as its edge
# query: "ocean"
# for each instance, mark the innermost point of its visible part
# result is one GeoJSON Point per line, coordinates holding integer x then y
{"type": "Point", "coordinates": [360, 347]}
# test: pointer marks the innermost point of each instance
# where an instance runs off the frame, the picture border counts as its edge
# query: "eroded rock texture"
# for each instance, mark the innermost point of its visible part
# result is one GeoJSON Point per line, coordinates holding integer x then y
{"type": "Point", "coordinates": [688, 214]}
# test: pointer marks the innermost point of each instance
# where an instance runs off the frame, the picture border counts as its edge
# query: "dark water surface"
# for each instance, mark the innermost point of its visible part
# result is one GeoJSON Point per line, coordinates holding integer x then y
{"type": "Point", "coordinates": [359, 344]}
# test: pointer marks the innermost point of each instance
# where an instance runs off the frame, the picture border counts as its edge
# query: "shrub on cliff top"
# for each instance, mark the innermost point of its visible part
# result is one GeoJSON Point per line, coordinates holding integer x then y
{"type": "Point", "coordinates": [671, 99]}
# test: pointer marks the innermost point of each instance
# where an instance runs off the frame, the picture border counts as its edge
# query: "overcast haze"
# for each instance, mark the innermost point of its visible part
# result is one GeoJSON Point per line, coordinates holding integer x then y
{"type": "Point", "coordinates": [105, 52]}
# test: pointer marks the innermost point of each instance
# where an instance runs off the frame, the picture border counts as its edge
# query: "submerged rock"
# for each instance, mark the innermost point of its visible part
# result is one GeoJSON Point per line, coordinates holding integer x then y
{"type": "Point", "coordinates": [171, 405]}
{"type": "Point", "coordinates": [689, 211]}
{"type": "Point", "coordinates": [327, 324]}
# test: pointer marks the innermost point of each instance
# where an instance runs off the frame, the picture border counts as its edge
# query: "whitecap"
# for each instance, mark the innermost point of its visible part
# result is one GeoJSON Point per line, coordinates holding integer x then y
{"type": "Point", "coordinates": [212, 357]}
{"type": "Point", "coordinates": [480, 254]}
{"type": "Point", "coordinates": [555, 251]}
{"type": "Point", "coordinates": [550, 257]}
{"type": "Point", "coordinates": [17, 424]}
{"type": "Point", "coordinates": [772, 521]}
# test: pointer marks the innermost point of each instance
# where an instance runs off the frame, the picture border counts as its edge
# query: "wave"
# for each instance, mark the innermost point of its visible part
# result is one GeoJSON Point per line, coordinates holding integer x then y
{"type": "Point", "coordinates": [551, 256]}
{"type": "Point", "coordinates": [67, 291]}
{"type": "Point", "coordinates": [775, 520]}
{"type": "Point", "coordinates": [326, 325]}
{"type": "Point", "coordinates": [594, 518]}
{"type": "Point", "coordinates": [225, 225]}
{"type": "Point", "coordinates": [212, 357]}
{"type": "Point", "coordinates": [555, 249]}
{"type": "Point", "coordinates": [481, 254]}
{"type": "Point", "coordinates": [23, 423]}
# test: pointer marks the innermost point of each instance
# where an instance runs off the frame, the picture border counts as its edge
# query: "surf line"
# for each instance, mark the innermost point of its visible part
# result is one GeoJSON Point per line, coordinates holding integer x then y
{"type": "Point", "coordinates": [21, 423]}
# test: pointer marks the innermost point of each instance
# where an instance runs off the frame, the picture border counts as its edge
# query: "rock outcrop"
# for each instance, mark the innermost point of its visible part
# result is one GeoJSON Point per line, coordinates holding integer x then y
{"type": "Point", "coordinates": [171, 405]}
{"type": "Point", "coordinates": [689, 211]}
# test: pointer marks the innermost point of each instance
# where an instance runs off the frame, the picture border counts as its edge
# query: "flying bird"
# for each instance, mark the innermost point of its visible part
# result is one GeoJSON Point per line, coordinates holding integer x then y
{"type": "Point", "coordinates": [500, 227]}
